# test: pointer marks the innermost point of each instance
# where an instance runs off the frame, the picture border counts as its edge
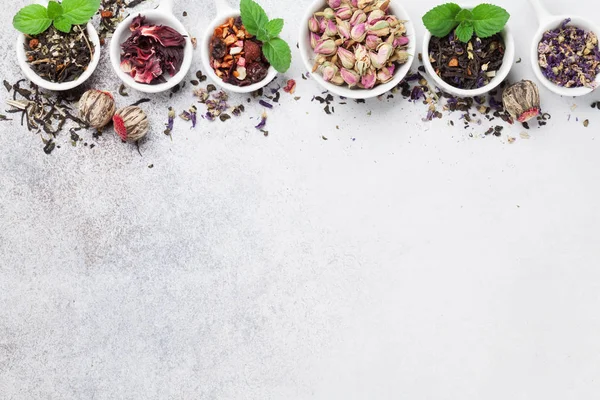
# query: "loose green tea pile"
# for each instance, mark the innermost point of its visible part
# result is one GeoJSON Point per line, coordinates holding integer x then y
{"type": "Point", "coordinates": [359, 45]}
{"type": "Point", "coordinates": [468, 65]}
{"type": "Point", "coordinates": [57, 56]}
{"type": "Point", "coordinates": [569, 56]}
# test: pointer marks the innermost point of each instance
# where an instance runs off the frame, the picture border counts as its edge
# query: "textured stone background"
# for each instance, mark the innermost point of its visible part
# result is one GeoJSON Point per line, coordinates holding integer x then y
{"type": "Point", "coordinates": [412, 262]}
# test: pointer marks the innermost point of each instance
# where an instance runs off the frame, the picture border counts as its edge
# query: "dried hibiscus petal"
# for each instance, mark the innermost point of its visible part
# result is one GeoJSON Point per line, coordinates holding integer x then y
{"type": "Point", "coordinates": [151, 51]}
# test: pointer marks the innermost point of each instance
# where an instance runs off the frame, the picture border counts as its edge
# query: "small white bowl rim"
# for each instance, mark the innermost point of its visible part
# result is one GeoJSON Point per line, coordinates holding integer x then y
{"type": "Point", "coordinates": [60, 86]}
{"type": "Point", "coordinates": [501, 74]}
{"type": "Point", "coordinates": [553, 23]}
{"type": "Point", "coordinates": [205, 56]}
{"type": "Point", "coordinates": [120, 35]}
{"type": "Point", "coordinates": [307, 54]}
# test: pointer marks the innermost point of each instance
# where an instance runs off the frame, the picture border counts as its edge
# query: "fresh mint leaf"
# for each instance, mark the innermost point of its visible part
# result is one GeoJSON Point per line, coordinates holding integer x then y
{"type": "Point", "coordinates": [464, 31]}
{"type": "Point", "coordinates": [489, 19]}
{"type": "Point", "coordinates": [278, 53]}
{"type": "Point", "coordinates": [63, 24]}
{"type": "Point", "coordinates": [274, 27]}
{"type": "Point", "coordinates": [442, 19]}
{"type": "Point", "coordinates": [464, 15]}
{"type": "Point", "coordinates": [253, 16]}
{"type": "Point", "coordinates": [54, 10]}
{"type": "Point", "coordinates": [32, 19]}
{"type": "Point", "coordinates": [80, 11]}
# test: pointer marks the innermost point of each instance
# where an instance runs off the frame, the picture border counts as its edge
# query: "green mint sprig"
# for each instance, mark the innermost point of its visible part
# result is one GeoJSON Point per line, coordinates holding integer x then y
{"type": "Point", "coordinates": [35, 18]}
{"type": "Point", "coordinates": [257, 23]}
{"type": "Point", "coordinates": [484, 20]}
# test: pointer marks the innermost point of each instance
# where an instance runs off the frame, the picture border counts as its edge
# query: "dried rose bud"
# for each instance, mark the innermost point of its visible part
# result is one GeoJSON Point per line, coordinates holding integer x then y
{"type": "Point", "coordinates": [326, 47]}
{"type": "Point", "coordinates": [344, 13]}
{"type": "Point", "coordinates": [131, 123]}
{"type": "Point", "coordinates": [314, 40]}
{"type": "Point", "coordinates": [363, 61]}
{"type": "Point", "coordinates": [337, 79]}
{"type": "Point", "coordinates": [331, 29]}
{"type": "Point", "coordinates": [359, 32]}
{"type": "Point", "coordinates": [369, 79]}
{"type": "Point", "coordinates": [383, 55]}
{"type": "Point", "coordinates": [522, 100]}
{"type": "Point", "coordinates": [334, 3]}
{"type": "Point", "coordinates": [386, 74]}
{"type": "Point", "coordinates": [372, 42]}
{"type": "Point", "coordinates": [401, 41]}
{"type": "Point", "coordinates": [313, 25]}
{"type": "Point", "coordinates": [343, 28]}
{"type": "Point", "coordinates": [346, 57]}
{"type": "Point", "coordinates": [375, 15]}
{"type": "Point", "coordinates": [379, 28]}
{"type": "Point", "coordinates": [358, 17]}
{"type": "Point", "coordinates": [328, 13]}
{"type": "Point", "coordinates": [328, 70]}
{"type": "Point", "coordinates": [96, 108]}
{"type": "Point", "coordinates": [350, 77]}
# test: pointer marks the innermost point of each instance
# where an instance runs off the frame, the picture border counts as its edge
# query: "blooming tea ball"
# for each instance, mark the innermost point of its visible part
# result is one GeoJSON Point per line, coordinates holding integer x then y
{"type": "Point", "coordinates": [522, 100]}
{"type": "Point", "coordinates": [96, 108]}
{"type": "Point", "coordinates": [131, 123]}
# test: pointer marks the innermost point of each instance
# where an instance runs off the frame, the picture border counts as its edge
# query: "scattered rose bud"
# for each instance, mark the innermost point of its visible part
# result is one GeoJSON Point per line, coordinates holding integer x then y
{"type": "Point", "coordinates": [131, 123]}
{"type": "Point", "coordinates": [96, 108]}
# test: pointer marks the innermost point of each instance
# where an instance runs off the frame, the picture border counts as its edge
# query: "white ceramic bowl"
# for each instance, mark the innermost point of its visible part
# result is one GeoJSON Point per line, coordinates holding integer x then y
{"type": "Point", "coordinates": [501, 74]}
{"type": "Point", "coordinates": [309, 56]}
{"type": "Point", "coordinates": [41, 82]}
{"type": "Point", "coordinates": [224, 12]}
{"type": "Point", "coordinates": [553, 23]}
{"type": "Point", "coordinates": [163, 15]}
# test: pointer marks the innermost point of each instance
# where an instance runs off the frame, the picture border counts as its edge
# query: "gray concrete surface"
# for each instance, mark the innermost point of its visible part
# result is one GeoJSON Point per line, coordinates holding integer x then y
{"type": "Point", "coordinates": [396, 260]}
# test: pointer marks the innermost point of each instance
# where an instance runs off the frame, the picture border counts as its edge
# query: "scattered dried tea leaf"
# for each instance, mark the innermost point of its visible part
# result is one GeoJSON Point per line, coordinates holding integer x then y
{"type": "Point", "coordinates": [524, 135]}
{"type": "Point", "coordinates": [122, 90]}
{"type": "Point", "coordinates": [586, 123]}
{"type": "Point", "coordinates": [324, 138]}
{"type": "Point", "coordinates": [511, 139]}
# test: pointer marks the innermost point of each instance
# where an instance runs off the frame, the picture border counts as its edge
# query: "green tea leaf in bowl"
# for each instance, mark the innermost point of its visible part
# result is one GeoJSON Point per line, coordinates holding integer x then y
{"type": "Point", "coordinates": [32, 19]}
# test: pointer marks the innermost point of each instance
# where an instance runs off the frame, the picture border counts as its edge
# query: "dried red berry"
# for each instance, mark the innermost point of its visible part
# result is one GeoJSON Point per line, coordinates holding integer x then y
{"type": "Point", "coordinates": [106, 14]}
{"type": "Point", "coordinates": [252, 51]}
{"type": "Point", "coordinates": [33, 43]}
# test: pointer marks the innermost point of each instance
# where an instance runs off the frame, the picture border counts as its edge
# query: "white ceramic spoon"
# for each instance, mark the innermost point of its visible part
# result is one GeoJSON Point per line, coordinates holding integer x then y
{"type": "Point", "coordinates": [41, 82]}
{"type": "Point", "coordinates": [162, 15]}
{"type": "Point", "coordinates": [547, 22]}
{"type": "Point", "coordinates": [224, 12]}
